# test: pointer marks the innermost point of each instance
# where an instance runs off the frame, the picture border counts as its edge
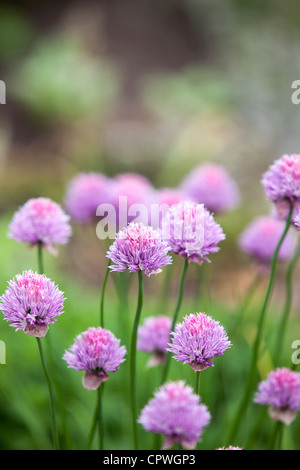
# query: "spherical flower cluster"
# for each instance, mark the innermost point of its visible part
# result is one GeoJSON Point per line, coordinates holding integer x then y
{"type": "Point", "coordinates": [191, 231]}
{"type": "Point", "coordinates": [129, 189]}
{"type": "Point", "coordinates": [85, 193]}
{"type": "Point", "coordinates": [41, 220]}
{"type": "Point", "coordinates": [197, 340]}
{"type": "Point", "coordinates": [261, 237]}
{"type": "Point", "coordinates": [31, 303]}
{"type": "Point", "coordinates": [282, 183]}
{"type": "Point", "coordinates": [176, 413]}
{"type": "Point", "coordinates": [96, 351]}
{"type": "Point", "coordinates": [153, 337]}
{"type": "Point", "coordinates": [138, 247]}
{"type": "Point", "coordinates": [281, 391]}
{"type": "Point", "coordinates": [211, 185]}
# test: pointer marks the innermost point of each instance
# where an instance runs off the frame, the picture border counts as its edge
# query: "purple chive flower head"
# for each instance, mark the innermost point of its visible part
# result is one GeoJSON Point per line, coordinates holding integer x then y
{"type": "Point", "coordinates": [41, 220]}
{"type": "Point", "coordinates": [281, 391]}
{"type": "Point", "coordinates": [282, 183]}
{"type": "Point", "coordinates": [96, 351]}
{"type": "Point", "coordinates": [197, 340]}
{"type": "Point", "coordinates": [191, 231]}
{"type": "Point", "coordinates": [85, 193]}
{"type": "Point", "coordinates": [261, 237]}
{"type": "Point", "coordinates": [176, 413]}
{"type": "Point", "coordinates": [153, 337]}
{"type": "Point", "coordinates": [211, 185]}
{"type": "Point", "coordinates": [138, 247]}
{"type": "Point", "coordinates": [31, 303]}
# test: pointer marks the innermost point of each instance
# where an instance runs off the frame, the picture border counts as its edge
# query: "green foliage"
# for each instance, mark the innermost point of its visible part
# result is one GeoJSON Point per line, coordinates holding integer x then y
{"type": "Point", "coordinates": [59, 81]}
{"type": "Point", "coordinates": [24, 406]}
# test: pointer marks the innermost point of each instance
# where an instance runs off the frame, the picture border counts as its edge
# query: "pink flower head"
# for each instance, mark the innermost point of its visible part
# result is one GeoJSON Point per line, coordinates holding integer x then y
{"type": "Point", "coordinates": [191, 231]}
{"type": "Point", "coordinates": [41, 220]}
{"type": "Point", "coordinates": [31, 303]}
{"type": "Point", "coordinates": [261, 237]}
{"type": "Point", "coordinates": [96, 351]}
{"type": "Point", "coordinates": [282, 183]}
{"type": "Point", "coordinates": [211, 185]}
{"type": "Point", "coordinates": [197, 340]}
{"type": "Point", "coordinates": [281, 391]}
{"type": "Point", "coordinates": [85, 193]}
{"type": "Point", "coordinates": [128, 190]}
{"type": "Point", "coordinates": [153, 337]}
{"type": "Point", "coordinates": [176, 413]}
{"type": "Point", "coordinates": [138, 247]}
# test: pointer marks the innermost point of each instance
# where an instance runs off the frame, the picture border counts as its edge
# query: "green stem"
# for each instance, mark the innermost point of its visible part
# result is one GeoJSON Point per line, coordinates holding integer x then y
{"type": "Point", "coordinates": [162, 300]}
{"type": "Point", "coordinates": [40, 258]}
{"type": "Point", "coordinates": [133, 358]}
{"type": "Point", "coordinates": [287, 306]}
{"type": "Point", "coordinates": [51, 397]}
{"type": "Point", "coordinates": [100, 420]}
{"type": "Point", "coordinates": [255, 350]}
{"type": "Point", "coordinates": [93, 427]}
{"type": "Point", "coordinates": [178, 305]}
{"type": "Point", "coordinates": [197, 386]}
{"type": "Point", "coordinates": [102, 296]}
{"type": "Point", "coordinates": [246, 301]}
{"type": "Point", "coordinates": [280, 435]}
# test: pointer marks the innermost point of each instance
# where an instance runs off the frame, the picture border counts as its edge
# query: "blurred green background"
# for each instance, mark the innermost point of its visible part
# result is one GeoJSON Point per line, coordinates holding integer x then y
{"type": "Point", "coordinates": [154, 87]}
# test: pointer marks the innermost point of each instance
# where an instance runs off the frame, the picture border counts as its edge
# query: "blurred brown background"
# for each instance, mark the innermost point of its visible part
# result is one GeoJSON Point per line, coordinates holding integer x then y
{"type": "Point", "coordinates": [151, 86]}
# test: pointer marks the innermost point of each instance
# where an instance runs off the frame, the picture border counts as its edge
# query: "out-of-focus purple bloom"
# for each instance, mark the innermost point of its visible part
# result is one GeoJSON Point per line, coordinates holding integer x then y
{"type": "Point", "coordinates": [197, 340]}
{"type": "Point", "coordinates": [191, 231]}
{"type": "Point", "coordinates": [261, 237]}
{"type": "Point", "coordinates": [211, 185]}
{"type": "Point", "coordinates": [129, 189]}
{"type": "Point", "coordinates": [41, 220]}
{"type": "Point", "coordinates": [297, 221]}
{"type": "Point", "coordinates": [31, 303]}
{"type": "Point", "coordinates": [153, 337]}
{"type": "Point", "coordinates": [138, 247]}
{"type": "Point", "coordinates": [85, 193]}
{"type": "Point", "coordinates": [96, 351]}
{"type": "Point", "coordinates": [230, 448]}
{"type": "Point", "coordinates": [281, 391]}
{"type": "Point", "coordinates": [176, 413]}
{"type": "Point", "coordinates": [282, 183]}
{"type": "Point", "coordinates": [170, 196]}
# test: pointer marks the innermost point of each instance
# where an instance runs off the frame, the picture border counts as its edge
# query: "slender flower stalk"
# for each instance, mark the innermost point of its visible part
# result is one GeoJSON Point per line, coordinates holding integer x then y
{"type": "Point", "coordinates": [133, 393]}
{"type": "Point", "coordinates": [246, 301]}
{"type": "Point", "coordinates": [177, 308]}
{"type": "Point", "coordinates": [51, 395]}
{"type": "Point", "coordinates": [93, 427]}
{"type": "Point", "coordinates": [103, 295]}
{"type": "Point", "coordinates": [255, 350]}
{"type": "Point", "coordinates": [197, 386]}
{"type": "Point", "coordinates": [100, 417]}
{"type": "Point", "coordinates": [287, 306]}
{"type": "Point", "coordinates": [40, 258]}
